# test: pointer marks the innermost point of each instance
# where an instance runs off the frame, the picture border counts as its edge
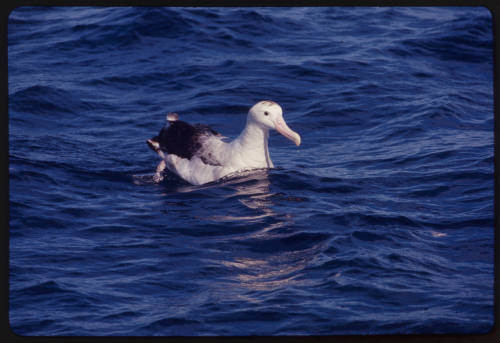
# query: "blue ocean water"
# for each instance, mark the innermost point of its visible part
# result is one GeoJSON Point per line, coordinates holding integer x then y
{"type": "Point", "coordinates": [381, 222]}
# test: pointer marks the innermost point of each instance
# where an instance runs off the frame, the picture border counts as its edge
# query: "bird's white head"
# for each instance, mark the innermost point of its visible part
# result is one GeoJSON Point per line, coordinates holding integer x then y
{"type": "Point", "coordinates": [269, 115]}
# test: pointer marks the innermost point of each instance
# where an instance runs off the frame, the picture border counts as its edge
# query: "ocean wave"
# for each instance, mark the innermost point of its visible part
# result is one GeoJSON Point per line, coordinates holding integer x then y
{"type": "Point", "coordinates": [470, 42]}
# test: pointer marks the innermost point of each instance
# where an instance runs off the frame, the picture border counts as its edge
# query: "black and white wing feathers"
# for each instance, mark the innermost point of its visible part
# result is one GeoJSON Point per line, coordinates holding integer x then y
{"type": "Point", "coordinates": [185, 140]}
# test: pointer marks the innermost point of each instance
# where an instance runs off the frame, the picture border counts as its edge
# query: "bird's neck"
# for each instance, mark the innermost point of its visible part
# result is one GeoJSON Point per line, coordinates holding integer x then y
{"type": "Point", "coordinates": [253, 137]}
{"type": "Point", "coordinates": [253, 144]}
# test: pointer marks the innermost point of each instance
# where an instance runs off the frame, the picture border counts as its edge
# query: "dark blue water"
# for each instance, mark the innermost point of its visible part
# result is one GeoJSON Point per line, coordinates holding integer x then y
{"type": "Point", "coordinates": [380, 222]}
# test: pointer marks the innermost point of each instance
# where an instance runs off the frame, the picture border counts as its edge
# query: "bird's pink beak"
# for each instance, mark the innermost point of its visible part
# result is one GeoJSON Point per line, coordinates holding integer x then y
{"type": "Point", "coordinates": [282, 128]}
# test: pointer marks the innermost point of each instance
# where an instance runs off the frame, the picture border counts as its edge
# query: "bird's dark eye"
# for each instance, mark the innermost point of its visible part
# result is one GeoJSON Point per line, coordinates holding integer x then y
{"type": "Point", "coordinates": [266, 113]}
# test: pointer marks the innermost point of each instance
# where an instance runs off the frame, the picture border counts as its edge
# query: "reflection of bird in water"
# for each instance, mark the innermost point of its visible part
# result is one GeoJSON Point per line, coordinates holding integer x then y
{"type": "Point", "coordinates": [277, 270]}
{"type": "Point", "coordinates": [276, 264]}
{"type": "Point", "coordinates": [271, 257]}
{"type": "Point", "coordinates": [252, 189]}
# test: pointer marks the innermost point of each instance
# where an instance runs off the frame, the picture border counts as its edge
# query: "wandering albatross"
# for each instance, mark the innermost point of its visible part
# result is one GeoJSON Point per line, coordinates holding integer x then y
{"type": "Point", "coordinates": [199, 155]}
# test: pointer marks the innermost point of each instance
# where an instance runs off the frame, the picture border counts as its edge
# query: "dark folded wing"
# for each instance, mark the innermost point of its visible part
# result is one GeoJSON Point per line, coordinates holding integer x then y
{"type": "Point", "coordinates": [185, 140]}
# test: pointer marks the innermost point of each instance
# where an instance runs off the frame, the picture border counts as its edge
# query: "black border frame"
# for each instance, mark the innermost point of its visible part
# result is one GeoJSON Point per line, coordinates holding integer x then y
{"type": "Point", "coordinates": [7, 6]}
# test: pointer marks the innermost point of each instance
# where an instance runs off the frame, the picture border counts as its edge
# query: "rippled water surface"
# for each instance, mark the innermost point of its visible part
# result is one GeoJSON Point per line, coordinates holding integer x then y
{"type": "Point", "coordinates": [380, 222]}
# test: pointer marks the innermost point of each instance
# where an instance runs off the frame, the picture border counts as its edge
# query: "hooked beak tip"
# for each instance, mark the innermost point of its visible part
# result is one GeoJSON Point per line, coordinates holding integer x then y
{"type": "Point", "coordinates": [282, 128]}
{"type": "Point", "coordinates": [297, 140]}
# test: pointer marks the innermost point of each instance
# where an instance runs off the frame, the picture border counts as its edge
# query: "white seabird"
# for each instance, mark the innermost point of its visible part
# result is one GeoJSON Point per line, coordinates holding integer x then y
{"type": "Point", "coordinates": [199, 155]}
